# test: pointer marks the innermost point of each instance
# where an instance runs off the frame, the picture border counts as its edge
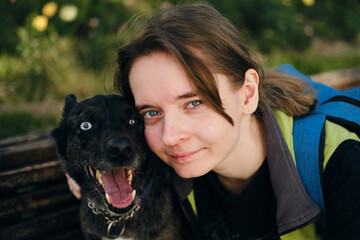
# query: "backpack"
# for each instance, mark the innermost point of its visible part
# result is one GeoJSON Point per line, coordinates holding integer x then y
{"type": "Point", "coordinates": [340, 107]}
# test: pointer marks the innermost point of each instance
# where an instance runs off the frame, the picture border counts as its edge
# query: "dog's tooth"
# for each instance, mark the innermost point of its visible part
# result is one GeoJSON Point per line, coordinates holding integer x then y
{"type": "Point", "coordinates": [98, 174]}
{"type": "Point", "coordinates": [100, 181]}
{"type": "Point", "coordinates": [129, 171]}
{"type": "Point", "coordinates": [130, 177]}
{"type": "Point", "coordinates": [107, 197]}
{"type": "Point", "coordinates": [134, 193]}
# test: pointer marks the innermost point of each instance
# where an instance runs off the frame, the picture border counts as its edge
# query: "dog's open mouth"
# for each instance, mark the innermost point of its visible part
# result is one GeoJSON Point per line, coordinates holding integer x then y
{"type": "Point", "coordinates": [116, 185]}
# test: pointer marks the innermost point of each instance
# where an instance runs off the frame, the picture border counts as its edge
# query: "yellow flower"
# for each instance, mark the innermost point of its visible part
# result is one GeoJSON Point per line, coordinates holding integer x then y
{"type": "Point", "coordinates": [49, 9]}
{"type": "Point", "coordinates": [40, 23]}
{"type": "Point", "coordinates": [308, 3]}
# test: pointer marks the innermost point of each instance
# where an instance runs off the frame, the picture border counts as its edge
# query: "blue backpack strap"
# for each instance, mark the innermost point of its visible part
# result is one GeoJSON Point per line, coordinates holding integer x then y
{"type": "Point", "coordinates": [308, 132]}
{"type": "Point", "coordinates": [353, 92]}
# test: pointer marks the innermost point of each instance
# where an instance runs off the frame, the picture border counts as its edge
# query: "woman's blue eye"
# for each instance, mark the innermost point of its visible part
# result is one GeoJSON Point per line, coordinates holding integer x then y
{"type": "Point", "coordinates": [151, 114]}
{"type": "Point", "coordinates": [85, 126]}
{"type": "Point", "coordinates": [194, 104]}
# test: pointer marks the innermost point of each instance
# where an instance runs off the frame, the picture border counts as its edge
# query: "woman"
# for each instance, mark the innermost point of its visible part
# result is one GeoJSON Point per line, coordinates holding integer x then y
{"type": "Point", "coordinates": [210, 112]}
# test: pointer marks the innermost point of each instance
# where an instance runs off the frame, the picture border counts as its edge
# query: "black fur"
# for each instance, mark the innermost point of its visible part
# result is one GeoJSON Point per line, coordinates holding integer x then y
{"type": "Point", "coordinates": [116, 123]}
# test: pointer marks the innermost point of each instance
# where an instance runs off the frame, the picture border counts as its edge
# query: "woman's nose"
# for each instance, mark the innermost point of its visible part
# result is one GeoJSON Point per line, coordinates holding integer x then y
{"type": "Point", "coordinates": [175, 129]}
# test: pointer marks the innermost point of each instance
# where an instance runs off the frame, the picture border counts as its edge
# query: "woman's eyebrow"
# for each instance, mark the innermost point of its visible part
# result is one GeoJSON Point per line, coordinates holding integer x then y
{"type": "Point", "coordinates": [182, 96]}
{"type": "Point", "coordinates": [187, 95]}
{"type": "Point", "coordinates": [142, 107]}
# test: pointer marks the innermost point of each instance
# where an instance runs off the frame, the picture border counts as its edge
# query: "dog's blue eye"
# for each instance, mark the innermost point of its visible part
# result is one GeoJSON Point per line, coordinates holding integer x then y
{"type": "Point", "coordinates": [133, 121]}
{"type": "Point", "coordinates": [85, 126]}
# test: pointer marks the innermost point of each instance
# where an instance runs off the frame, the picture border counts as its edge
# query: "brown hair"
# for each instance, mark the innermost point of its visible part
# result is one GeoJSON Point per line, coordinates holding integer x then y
{"type": "Point", "coordinates": [204, 42]}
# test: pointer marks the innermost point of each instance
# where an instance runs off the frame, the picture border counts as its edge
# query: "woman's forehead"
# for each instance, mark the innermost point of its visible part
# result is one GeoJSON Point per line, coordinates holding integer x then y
{"type": "Point", "coordinates": [159, 75]}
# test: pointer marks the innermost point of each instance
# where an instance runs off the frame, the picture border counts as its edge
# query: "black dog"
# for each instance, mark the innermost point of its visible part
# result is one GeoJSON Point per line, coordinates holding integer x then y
{"type": "Point", "coordinates": [126, 189]}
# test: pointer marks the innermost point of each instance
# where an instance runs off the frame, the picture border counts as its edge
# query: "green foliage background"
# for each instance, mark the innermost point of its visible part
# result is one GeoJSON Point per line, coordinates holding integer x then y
{"type": "Point", "coordinates": [78, 56]}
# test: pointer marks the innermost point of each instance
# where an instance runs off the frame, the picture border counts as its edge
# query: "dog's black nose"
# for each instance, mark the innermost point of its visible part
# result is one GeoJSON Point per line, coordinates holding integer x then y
{"type": "Point", "coordinates": [119, 147]}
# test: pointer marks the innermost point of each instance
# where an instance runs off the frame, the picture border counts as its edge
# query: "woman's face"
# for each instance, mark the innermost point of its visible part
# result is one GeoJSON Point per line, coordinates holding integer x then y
{"type": "Point", "coordinates": [182, 130]}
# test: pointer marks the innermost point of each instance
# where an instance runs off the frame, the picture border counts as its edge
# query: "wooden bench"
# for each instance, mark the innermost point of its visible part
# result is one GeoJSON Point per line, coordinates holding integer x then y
{"type": "Point", "coordinates": [340, 79]}
{"type": "Point", "coordinates": [35, 201]}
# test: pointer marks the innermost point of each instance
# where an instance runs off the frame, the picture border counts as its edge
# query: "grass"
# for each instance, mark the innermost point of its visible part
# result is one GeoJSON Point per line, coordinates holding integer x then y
{"type": "Point", "coordinates": [23, 122]}
{"type": "Point", "coordinates": [321, 57]}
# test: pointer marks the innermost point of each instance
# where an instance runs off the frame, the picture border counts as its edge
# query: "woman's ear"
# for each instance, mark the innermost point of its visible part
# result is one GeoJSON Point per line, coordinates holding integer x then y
{"type": "Point", "coordinates": [250, 91]}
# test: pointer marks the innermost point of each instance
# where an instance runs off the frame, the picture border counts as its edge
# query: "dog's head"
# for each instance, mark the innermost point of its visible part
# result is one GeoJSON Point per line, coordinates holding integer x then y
{"type": "Point", "coordinates": [102, 145]}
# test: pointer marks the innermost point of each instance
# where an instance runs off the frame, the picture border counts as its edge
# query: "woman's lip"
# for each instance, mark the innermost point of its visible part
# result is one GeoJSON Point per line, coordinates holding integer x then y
{"type": "Point", "coordinates": [183, 156]}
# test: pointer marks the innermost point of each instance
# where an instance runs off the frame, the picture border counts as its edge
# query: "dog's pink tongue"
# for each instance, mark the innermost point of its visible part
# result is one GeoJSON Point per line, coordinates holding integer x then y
{"type": "Point", "coordinates": [118, 188]}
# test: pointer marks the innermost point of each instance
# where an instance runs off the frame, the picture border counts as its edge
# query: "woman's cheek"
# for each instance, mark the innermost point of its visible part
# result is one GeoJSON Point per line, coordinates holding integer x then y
{"type": "Point", "coordinates": [152, 138]}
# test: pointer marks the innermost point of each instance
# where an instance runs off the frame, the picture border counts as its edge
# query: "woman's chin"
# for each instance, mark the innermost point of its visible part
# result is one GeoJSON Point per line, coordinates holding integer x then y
{"type": "Point", "coordinates": [189, 171]}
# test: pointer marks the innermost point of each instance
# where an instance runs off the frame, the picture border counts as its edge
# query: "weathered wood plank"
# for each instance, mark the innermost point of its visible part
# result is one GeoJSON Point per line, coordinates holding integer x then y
{"type": "Point", "coordinates": [340, 79]}
{"type": "Point", "coordinates": [14, 208]}
{"type": "Point", "coordinates": [35, 199]}
{"type": "Point", "coordinates": [21, 140]}
{"type": "Point", "coordinates": [47, 226]}
{"type": "Point", "coordinates": [30, 149]}
{"type": "Point", "coordinates": [24, 178]}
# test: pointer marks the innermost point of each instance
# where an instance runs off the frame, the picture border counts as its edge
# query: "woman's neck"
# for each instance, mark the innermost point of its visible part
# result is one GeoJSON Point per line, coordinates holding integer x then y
{"type": "Point", "coordinates": [237, 171]}
{"type": "Point", "coordinates": [233, 185]}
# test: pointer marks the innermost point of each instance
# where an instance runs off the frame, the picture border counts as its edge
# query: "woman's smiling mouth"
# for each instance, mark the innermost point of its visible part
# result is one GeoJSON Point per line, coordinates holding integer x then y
{"type": "Point", "coordinates": [181, 157]}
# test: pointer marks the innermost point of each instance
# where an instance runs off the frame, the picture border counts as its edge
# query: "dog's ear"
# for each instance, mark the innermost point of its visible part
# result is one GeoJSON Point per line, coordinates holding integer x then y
{"type": "Point", "coordinates": [70, 101]}
{"type": "Point", "coordinates": [59, 133]}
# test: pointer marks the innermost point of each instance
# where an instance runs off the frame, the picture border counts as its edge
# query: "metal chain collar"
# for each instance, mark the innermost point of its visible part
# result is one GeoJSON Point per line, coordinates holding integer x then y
{"type": "Point", "coordinates": [112, 221]}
